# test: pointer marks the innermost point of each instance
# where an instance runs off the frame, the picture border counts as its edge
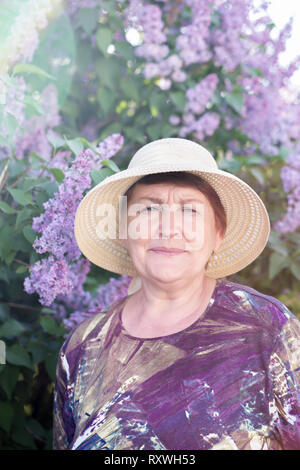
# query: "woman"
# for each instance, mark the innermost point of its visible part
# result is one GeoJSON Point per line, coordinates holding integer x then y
{"type": "Point", "coordinates": [189, 359]}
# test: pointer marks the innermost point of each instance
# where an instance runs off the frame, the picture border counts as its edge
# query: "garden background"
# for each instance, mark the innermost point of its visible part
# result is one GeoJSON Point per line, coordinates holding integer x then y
{"type": "Point", "coordinates": [83, 85]}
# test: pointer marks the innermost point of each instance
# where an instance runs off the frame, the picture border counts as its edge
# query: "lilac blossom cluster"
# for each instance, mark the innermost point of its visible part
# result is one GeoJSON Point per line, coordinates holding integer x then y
{"type": "Point", "coordinates": [198, 99]}
{"type": "Point", "coordinates": [154, 49]}
{"type": "Point", "coordinates": [84, 306]}
{"type": "Point", "coordinates": [224, 33]}
{"type": "Point", "coordinates": [31, 135]}
{"type": "Point", "coordinates": [56, 225]}
{"type": "Point", "coordinates": [35, 138]}
{"type": "Point", "coordinates": [22, 39]}
{"type": "Point", "coordinates": [229, 50]}
{"type": "Point", "coordinates": [193, 42]}
{"type": "Point", "coordinates": [290, 175]}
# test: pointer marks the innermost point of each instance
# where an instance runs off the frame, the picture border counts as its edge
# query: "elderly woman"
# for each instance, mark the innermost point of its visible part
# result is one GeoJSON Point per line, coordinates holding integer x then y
{"type": "Point", "coordinates": [188, 359]}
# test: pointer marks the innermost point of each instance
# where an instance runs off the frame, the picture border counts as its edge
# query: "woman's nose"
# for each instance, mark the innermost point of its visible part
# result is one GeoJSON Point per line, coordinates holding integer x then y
{"type": "Point", "coordinates": [170, 224]}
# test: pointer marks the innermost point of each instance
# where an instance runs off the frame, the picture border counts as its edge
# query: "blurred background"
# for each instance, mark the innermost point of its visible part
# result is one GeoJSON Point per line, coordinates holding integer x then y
{"type": "Point", "coordinates": [84, 84]}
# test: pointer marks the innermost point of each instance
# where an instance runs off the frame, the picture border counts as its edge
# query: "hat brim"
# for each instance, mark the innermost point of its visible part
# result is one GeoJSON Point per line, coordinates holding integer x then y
{"type": "Point", "coordinates": [247, 233]}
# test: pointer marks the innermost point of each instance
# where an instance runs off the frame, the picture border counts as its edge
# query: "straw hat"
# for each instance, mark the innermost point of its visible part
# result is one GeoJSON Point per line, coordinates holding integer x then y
{"type": "Point", "coordinates": [248, 224]}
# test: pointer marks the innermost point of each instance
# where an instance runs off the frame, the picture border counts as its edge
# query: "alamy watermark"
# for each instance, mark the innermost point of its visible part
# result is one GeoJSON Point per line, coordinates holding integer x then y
{"type": "Point", "coordinates": [2, 352]}
{"type": "Point", "coordinates": [151, 221]}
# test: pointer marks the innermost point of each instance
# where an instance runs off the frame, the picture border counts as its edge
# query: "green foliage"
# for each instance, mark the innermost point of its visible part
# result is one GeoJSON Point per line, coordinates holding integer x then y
{"type": "Point", "coordinates": [116, 94]}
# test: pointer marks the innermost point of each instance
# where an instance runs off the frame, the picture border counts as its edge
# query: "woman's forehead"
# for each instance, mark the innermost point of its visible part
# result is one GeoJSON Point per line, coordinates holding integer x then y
{"type": "Point", "coordinates": [162, 191]}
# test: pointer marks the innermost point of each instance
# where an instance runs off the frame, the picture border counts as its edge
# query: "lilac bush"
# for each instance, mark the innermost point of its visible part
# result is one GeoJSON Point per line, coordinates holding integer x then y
{"type": "Point", "coordinates": [62, 274]}
{"type": "Point", "coordinates": [209, 69]}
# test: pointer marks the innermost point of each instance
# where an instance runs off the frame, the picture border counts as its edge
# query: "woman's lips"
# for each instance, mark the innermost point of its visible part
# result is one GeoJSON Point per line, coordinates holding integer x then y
{"type": "Point", "coordinates": [168, 252]}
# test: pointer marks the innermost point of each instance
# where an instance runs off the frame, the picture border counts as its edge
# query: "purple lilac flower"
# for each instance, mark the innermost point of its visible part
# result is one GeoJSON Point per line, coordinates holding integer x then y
{"type": "Point", "coordinates": [290, 175]}
{"type": "Point", "coordinates": [34, 139]}
{"type": "Point", "coordinates": [110, 146]}
{"type": "Point", "coordinates": [199, 96]}
{"type": "Point", "coordinates": [114, 290]}
{"type": "Point", "coordinates": [206, 125]}
{"type": "Point", "coordinates": [48, 277]}
{"type": "Point", "coordinates": [193, 42]}
{"type": "Point", "coordinates": [147, 17]}
{"type": "Point", "coordinates": [56, 226]}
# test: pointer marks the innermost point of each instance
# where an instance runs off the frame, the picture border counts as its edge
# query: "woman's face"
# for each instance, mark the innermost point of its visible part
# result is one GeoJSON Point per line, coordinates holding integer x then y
{"type": "Point", "coordinates": [181, 217]}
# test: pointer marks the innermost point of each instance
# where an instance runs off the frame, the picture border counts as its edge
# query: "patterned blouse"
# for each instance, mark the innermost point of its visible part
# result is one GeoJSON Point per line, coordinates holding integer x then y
{"type": "Point", "coordinates": [231, 380]}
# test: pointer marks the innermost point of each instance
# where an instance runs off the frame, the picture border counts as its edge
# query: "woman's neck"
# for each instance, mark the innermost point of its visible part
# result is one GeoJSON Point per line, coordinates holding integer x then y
{"type": "Point", "coordinates": [153, 310]}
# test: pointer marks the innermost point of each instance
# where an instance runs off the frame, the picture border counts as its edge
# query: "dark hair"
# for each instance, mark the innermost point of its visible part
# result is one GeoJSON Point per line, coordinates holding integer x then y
{"type": "Point", "coordinates": [187, 179]}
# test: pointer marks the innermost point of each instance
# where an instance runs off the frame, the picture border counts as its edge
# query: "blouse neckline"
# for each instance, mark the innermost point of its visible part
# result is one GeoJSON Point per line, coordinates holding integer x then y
{"type": "Point", "coordinates": [201, 318]}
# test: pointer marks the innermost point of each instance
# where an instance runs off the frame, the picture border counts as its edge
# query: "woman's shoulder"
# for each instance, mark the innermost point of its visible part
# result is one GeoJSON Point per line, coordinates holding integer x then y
{"type": "Point", "coordinates": [90, 328]}
{"type": "Point", "coordinates": [267, 310]}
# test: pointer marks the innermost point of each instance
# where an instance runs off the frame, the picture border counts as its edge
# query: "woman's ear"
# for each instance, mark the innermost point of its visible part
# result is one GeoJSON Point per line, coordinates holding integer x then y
{"type": "Point", "coordinates": [219, 238]}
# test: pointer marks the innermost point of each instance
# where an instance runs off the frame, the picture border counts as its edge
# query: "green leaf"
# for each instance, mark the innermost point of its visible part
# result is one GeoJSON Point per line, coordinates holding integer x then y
{"type": "Point", "coordinates": [21, 269]}
{"type": "Point", "coordinates": [168, 131]}
{"type": "Point", "coordinates": [179, 99]}
{"type": "Point", "coordinates": [18, 356]}
{"type": "Point", "coordinates": [30, 183]}
{"type": "Point", "coordinates": [104, 38]}
{"type": "Point", "coordinates": [257, 173]}
{"type": "Point", "coordinates": [50, 188]}
{"type": "Point", "coordinates": [6, 208]}
{"type": "Point", "coordinates": [253, 71]}
{"type": "Point", "coordinates": [11, 124]}
{"type": "Point", "coordinates": [295, 268]}
{"type": "Point", "coordinates": [5, 143]}
{"type": "Point", "coordinates": [7, 414]}
{"type": "Point", "coordinates": [55, 140]}
{"type": "Point", "coordinates": [22, 436]}
{"type": "Point", "coordinates": [108, 5]}
{"type": "Point", "coordinates": [6, 240]}
{"type": "Point", "coordinates": [50, 363]}
{"type": "Point", "coordinates": [4, 312]}
{"type": "Point", "coordinates": [30, 101]}
{"type": "Point", "coordinates": [30, 68]}
{"type": "Point", "coordinates": [111, 164]}
{"type": "Point", "coordinates": [108, 71]}
{"type": "Point", "coordinates": [215, 19]}
{"type": "Point", "coordinates": [23, 215]}
{"type": "Point", "coordinates": [29, 234]}
{"type": "Point", "coordinates": [277, 263]}
{"type": "Point", "coordinates": [34, 427]}
{"type": "Point", "coordinates": [11, 329]}
{"type": "Point", "coordinates": [75, 145]}
{"type": "Point", "coordinates": [154, 131]}
{"type": "Point", "coordinates": [20, 196]}
{"type": "Point", "coordinates": [125, 50]}
{"type": "Point", "coordinates": [16, 167]}
{"type": "Point", "coordinates": [90, 145]}
{"type": "Point", "coordinates": [106, 98]}
{"type": "Point", "coordinates": [235, 100]}
{"type": "Point", "coordinates": [8, 379]}
{"type": "Point", "coordinates": [49, 325]}
{"type": "Point", "coordinates": [130, 88]}
{"type": "Point", "coordinates": [135, 134]}
{"type": "Point", "coordinates": [4, 274]}
{"type": "Point", "coordinates": [58, 174]}
{"type": "Point", "coordinates": [87, 19]}
{"type": "Point", "coordinates": [114, 127]}
{"type": "Point", "coordinates": [99, 175]}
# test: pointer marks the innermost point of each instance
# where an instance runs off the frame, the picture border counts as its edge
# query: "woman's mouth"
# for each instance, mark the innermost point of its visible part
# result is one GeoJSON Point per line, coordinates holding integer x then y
{"type": "Point", "coordinates": [168, 252]}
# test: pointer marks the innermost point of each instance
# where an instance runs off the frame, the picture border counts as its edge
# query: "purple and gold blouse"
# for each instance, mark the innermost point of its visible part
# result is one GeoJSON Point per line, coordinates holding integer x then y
{"type": "Point", "coordinates": [231, 380]}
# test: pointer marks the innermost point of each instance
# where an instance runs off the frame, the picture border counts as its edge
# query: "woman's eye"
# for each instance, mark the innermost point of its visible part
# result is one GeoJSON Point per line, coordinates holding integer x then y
{"type": "Point", "coordinates": [150, 208]}
{"type": "Point", "coordinates": [188, 209]}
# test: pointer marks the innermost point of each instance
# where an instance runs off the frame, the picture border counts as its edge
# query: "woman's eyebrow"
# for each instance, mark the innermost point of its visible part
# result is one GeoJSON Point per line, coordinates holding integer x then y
{"type": "Point", "coordinates": [159, 200]}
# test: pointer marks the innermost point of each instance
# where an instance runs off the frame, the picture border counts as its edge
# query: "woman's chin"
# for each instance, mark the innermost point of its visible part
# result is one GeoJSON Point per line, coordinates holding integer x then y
{"type": "Point", "coordinates": [167, 273]}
